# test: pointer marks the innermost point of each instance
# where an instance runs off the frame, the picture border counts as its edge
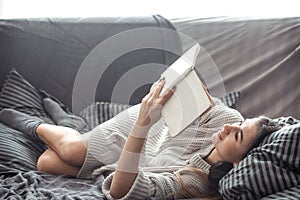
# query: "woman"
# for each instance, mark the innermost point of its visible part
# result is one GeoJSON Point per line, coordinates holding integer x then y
{"type": "Point", "coordinates": [151, 163]}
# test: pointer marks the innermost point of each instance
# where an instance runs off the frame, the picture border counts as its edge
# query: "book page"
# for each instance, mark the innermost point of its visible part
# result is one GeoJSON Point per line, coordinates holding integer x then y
{"type": "Point", "coordinates": [180, 68]}
{"type": "Point", "coordinates": [176, 73]}
{"type": "Point", "coordinates": [189, 101]}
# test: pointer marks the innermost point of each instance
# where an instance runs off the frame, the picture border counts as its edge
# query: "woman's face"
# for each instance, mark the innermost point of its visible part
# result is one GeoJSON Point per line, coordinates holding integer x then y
{"type": "Point", "coordinates": [234, 140]}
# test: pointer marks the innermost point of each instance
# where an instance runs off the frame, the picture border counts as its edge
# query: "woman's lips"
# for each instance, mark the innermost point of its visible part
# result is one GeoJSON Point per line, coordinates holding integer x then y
{"type": "Point", "coordinates": [217, 136]}
{"type": "Point", "coordinates": [220, 135]}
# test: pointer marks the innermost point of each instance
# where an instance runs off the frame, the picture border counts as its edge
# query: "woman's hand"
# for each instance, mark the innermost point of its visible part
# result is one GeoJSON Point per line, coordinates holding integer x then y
{"type": "Point", "coordinates": [152, 103]}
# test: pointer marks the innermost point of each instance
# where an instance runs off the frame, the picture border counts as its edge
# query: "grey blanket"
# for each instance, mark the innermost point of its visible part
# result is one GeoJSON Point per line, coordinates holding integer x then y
{"type": "Point", "coordinates": [35, 185]}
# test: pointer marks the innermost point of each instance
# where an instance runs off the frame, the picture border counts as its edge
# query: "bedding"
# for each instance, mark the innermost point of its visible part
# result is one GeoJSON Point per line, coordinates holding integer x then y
{"type": "Point", "coordinates": [34, 185]}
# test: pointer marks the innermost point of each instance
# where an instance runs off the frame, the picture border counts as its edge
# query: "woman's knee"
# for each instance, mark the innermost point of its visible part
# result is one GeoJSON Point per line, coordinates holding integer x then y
{"type": "Point", "coordinates": [45, 158]}
{"type": "Point", "coordinates": [73, 152]}
{"type": "Point", "coordinates": [49, 162]}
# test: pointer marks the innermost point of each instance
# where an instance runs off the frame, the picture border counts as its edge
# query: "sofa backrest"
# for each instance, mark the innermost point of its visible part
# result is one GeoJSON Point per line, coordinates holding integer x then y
{"type": "Point", "coordinates": [257, 56]}
{"type": "Point", "coordinates": [49, 53]}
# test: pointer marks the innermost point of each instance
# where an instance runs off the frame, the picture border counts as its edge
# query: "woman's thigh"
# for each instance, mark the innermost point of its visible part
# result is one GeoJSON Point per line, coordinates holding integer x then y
{"type": "Point", "coordinates": [69, 144]}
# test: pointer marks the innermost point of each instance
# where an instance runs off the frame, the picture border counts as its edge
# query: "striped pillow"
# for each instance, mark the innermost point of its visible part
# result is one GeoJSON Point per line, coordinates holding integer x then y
{"type": "Point", "coordinates": [231, 98]}
{"type": "Point", "coordinates": [17, 93]}
{"type": "Point", "coordinates": [17, 150]}
{"type": "Point", "coordinates": [100, 112]}
{"type": "Point", "coordinates": [288, 194]}
{"type": "Point", "coordinates": [271, 168]}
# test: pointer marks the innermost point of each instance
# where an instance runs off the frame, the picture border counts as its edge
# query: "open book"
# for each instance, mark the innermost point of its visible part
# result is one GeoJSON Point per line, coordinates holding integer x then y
{"type": "Point", "coordinates": [190, 99]}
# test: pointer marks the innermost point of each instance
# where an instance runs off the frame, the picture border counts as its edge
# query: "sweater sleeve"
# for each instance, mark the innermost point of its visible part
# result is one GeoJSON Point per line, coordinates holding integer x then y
{"type": "Point", "coordinates": [164, 185]}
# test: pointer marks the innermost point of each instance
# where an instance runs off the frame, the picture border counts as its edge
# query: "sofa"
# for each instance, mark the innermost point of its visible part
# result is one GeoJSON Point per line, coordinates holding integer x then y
{"type": "Point", "coordinates": [103, 65]}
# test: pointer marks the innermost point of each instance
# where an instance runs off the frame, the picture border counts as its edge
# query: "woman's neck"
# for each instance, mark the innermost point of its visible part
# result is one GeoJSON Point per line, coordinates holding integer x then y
{"type": "Point", "coordinates": [213, 157]}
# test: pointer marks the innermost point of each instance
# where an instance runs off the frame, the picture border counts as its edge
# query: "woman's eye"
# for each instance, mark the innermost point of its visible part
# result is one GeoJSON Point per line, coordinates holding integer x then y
{"type": "Point", "coordinates": [236, 136]}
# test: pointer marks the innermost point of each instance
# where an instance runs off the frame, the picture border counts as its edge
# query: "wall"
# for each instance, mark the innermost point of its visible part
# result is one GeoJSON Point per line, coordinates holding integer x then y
{"type": "Point", "coordinates": [167, 8]}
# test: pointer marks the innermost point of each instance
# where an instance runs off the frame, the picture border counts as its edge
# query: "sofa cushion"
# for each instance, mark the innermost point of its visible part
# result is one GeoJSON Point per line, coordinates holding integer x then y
{"type": "Point", "coordinates": [231, 99]}
{"type": "Point", "coordinates": [100, 112]}
{"type": "Point", "coordinates": [18, 151]}
{"type": "Point", "coordinates": [17, 93]}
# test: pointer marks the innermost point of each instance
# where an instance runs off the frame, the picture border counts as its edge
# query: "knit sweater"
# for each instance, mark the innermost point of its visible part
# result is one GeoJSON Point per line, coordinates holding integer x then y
{"type": "Point", "coordinates": [162, 154]}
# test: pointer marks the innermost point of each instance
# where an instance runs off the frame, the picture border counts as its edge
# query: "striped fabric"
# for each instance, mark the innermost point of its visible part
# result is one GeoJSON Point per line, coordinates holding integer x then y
{"type": "Point", "coordinates": [271, 168]}
{"type": "Point", "coordinates": [100, 112]}
{"type": "Point", "coordinates": [18, 150]}
{"type": "Point", "coordinates": [288, 194]}
{"type": "Point", "coordinates": [231, 98]}
{"type": "Point", "coordinates": [17, 93]}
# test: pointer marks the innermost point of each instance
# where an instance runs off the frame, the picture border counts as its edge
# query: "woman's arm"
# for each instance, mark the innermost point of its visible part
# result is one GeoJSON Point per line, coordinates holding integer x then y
{"type": "Point", "coordinates": [150, 113]}
{"type": "Point", "coordinates": [162, 184]}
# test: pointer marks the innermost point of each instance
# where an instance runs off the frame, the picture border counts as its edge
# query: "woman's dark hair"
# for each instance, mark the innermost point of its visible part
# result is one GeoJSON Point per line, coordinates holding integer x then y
{"type": "Point", "coordinates": [216, 172]}
{"type": "Point", "coordinates": [265, 126]}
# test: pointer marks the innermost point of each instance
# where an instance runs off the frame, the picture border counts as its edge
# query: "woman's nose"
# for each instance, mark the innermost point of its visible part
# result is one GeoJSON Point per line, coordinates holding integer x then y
{"type": "Point", "coordinates": [230, 127]}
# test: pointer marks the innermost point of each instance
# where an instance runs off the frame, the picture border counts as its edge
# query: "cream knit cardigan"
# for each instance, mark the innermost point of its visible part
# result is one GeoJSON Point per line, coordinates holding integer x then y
{"type": "Point", "coordinates": [162, 154]}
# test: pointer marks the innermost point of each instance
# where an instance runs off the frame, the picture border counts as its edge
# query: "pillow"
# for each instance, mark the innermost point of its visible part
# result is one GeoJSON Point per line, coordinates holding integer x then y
{"type": "Point", "coordinates": [17, 93]}
{"type": "Point", "coordinates": [288, 194]}
{"type": "Point", "coordinates": [231, 99]}
{"type": "Point", "coordinates": [100, 112]}
{"type": "Point", "coordinates": [272, 167]}
{"type": "Point", "coordinates": [17, 151]}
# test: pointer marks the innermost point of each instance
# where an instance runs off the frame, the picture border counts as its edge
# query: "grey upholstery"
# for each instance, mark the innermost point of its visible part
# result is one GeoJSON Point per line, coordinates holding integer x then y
{"type": "Point", "coordinates": [258, 57]}
{"type": "Point", "coordinates": [50, 52]}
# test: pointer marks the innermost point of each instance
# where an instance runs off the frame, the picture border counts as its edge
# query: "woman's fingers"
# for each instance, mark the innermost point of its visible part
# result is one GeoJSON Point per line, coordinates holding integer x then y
{"type": "Point", "coordinates": [158, 87]}
{"type": "Point", "coordinates": [157, 90]}
{"type": "Point", "coordinates": [152, 103]}
{"type": "Point", "coordinates": [166, 96]}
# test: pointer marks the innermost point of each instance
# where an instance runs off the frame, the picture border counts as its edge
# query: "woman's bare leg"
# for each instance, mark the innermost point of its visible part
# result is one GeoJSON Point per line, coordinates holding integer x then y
{"type": "Point", "coordinates": [49, 162]}
{"type": "Point", "coordinates": [69, 144]}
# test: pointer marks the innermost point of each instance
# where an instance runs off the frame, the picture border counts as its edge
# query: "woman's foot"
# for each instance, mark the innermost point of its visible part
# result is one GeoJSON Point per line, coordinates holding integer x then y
{"type": "Point", "coordinates": [20, 121]}
{"type": "Point", "coordinates": [60, 117]}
